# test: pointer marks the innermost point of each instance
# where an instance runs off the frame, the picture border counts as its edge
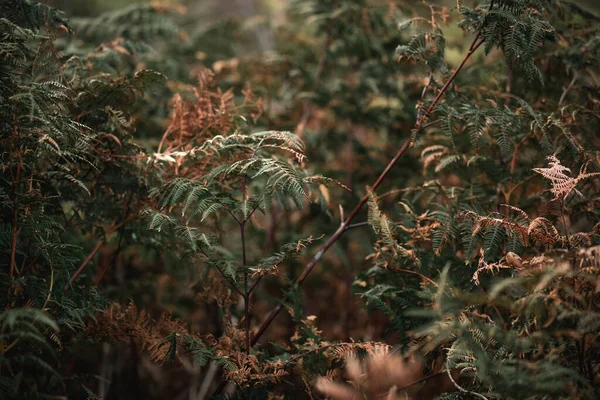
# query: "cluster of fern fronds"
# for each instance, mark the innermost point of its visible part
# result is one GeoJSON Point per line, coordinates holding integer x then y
{"type": "Point", "coordinates": [171, 202]}
{"type": "Point", "coordinates": [500, 238]}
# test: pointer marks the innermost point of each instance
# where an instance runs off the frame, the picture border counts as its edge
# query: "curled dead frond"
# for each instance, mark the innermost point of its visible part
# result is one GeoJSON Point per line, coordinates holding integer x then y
{"type": "Point", "coordinates": [543, 233]}
{"type": "Point", "coordinates": [509, 261]}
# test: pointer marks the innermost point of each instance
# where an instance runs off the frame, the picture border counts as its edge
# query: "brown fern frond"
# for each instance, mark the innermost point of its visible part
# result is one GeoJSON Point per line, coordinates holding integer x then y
{"type": "Point", "coordinates": [543, 233]}
{"type": "Point", "coordinates": [132, 325]}
{"type": "Point", "coordinates": [559, 176]}
{"type": "Point", "coordinates": [509, 261]}
{"type": "Point", "coordinates": [202, 113]}
{"type": "Point", "coordinates": [484, 223]}
{"type": "Point", "coordinates": [517, 210]}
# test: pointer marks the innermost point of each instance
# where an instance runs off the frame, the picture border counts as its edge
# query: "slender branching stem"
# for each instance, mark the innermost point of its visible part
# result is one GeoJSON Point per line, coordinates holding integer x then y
{"type": "Point", "coordinates": [432, 123]}
{"type": "Point", "coordinates": [583, 362]}
{"type": "Point", "coordinates": [250, 214]}
{"type": "Point", "coordinates": [408, 271]}
{"type": "Point", "coordinates": [256, 282]}
{"type": "Point", "coordinates": [361, 224]}
{"type": "Point", "coordinates": [85, 262]}
{"type": "Point", "coordinates": [357, 225]}
{"type": "Point", "coordinates": [113, 228]}
{"type": "Point", "coordinates": [567, 90]}
{"type": "Point", "coordinates": [420, 380]}
{"type": "Point", "coordinates": [229, 281]}
{"type": "Point", "coordinates": [234, 217]}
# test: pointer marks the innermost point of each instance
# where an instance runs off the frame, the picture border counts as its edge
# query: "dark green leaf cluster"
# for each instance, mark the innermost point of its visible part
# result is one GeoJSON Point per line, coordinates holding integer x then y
{"type": "Point", "coordinates": [518, 27]}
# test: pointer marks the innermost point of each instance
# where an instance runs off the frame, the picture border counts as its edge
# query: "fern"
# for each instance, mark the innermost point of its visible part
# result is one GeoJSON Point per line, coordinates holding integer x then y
{"type": "Point", "coordinates": [26, 347]}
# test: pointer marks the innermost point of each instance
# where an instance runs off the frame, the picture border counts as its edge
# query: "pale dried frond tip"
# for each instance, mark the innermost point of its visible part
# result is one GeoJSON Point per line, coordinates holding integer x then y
{"type": "Point", "coordinates": [377, 377]}
{"type": "Point", "coordinates": [562, 183]}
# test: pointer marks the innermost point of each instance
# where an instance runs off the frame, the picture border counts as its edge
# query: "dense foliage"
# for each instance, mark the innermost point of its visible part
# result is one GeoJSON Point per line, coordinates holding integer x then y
{"type": "Point", "coordinates": [355, 199]}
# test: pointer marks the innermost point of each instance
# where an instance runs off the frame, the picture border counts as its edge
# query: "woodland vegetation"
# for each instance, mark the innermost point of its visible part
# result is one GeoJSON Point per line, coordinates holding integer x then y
{"type": "Point", "coordinates": [343, 199]}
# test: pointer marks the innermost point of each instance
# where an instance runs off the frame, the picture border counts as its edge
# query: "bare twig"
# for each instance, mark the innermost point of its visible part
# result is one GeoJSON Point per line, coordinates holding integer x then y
{"type": "Point", "coordinates": [246, 291]}
{"type": "Point", "coordinates": [113, 228]}
{"type": "Point", "coordinates": [229, 281]}
{"type": "Point", "coordinates": [254, 285]}
{"type": "Point", "coordinates": [567, 90]}
{"type": "Point", "coordinates": [425, 378]}
{"type": "Point", "coordinates": [408, 271]}
{"type": "Point", "coordinates": [424, 92]}
{"type": "Point", "coordinates": [432, 123]}
{"type": "Point", "coordinates": [357, 225]}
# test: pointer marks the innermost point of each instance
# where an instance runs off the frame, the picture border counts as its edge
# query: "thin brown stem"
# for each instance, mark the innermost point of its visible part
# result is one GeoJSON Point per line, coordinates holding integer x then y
{"type": "Point", "coordinates": [13, 247]}
{"type": "Point", "coordinates": [581, 354]}
{"type": "Point", "coordinates": [364, 223]}
{"type": "Point", "coordinates": [408, 271]}
{"type": "Point", "coordinates": [233, 286]}
{"type": "Point", "coordinates": [432, 123]}
{"type": "Point", "coordinates": [85, 262]}
{"type": "Point", "coordinates": [250, 214]}
{"type": "Point", "coordinates": [587, 362]}
{"type": "Point", "coordinates": [113, 228]}
{"type": "Point", "coordinates": [474, 46]}
{"type": "Point", "coordinates": [425, 378]}
{"type": "Point", "coordinates": [349, 275]}
{"type": "Point", "coordinates": [233, 216]}
{"type": "Point", "coordinates": [256, 282]}
{"type": "Point", "coordinates": [243, 238]}
{"type": "Point", "coordinates": [357, 225]}
{"type": "Point", "coordinates": [567, 90]}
